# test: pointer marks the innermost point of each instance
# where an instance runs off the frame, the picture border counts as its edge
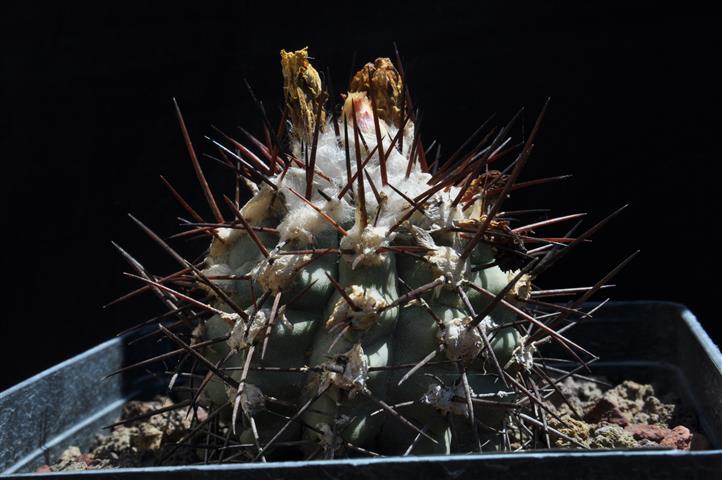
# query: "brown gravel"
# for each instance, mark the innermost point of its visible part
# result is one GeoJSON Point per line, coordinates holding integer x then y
{"type": "Point", "coordinates": [628, 415]}
{"type": "Point", "coordinates": [136, 444]}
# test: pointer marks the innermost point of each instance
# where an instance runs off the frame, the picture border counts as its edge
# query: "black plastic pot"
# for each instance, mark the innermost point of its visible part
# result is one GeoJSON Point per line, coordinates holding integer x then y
{"type": "Point", "coordinates": [646, 341]}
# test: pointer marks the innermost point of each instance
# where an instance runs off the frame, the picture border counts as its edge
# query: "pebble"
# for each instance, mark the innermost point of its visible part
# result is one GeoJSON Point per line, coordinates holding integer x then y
{"type": "Point", "coordinates": [680, 438]}
{"type": "Point", "coordinates": [642, 431]}
{"type": "Point", "coordinates": [606, 411]}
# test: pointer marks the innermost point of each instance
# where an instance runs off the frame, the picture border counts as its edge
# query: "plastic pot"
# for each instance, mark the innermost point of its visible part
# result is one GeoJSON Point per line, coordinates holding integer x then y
{"type": "Point", "coordinates": [655, 342]}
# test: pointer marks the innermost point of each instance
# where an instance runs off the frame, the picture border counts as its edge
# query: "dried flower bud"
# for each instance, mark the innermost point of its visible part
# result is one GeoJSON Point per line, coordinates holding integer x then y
{"type": "Point", "coordinates": [303, 91]}
{"type": "Point", "coordinates": [381, 80]}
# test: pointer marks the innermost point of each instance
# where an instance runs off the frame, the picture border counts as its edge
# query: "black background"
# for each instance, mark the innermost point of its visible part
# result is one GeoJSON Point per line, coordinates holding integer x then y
{"type": "Point", "coordinates": [88, 126]}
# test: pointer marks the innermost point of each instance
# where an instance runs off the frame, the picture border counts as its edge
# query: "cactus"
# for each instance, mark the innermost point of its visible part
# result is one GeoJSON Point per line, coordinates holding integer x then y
{"type": "Point", "coordinates": [365, 300]}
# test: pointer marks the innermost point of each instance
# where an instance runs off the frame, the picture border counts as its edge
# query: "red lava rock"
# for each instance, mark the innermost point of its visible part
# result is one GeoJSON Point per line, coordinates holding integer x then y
{"type": "Point", "coordinates": [680, 438]}
{"type": "Point", "coordinates": [654, 433]}
{"type": "Point", "coordinates": [606, 411]}
{"type": "Point", "coordinates": [43, 469]}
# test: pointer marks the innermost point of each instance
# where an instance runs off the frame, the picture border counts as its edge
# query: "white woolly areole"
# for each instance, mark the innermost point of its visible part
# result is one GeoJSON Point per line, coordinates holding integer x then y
{"type": "Point", "coordinates": [339, 210]}
{"type": "Point", "coordinates": [523, 354]}
{"type": "Point", "coordinates": [301, 225]}
{"type": "Point", "coordinates": [301, 222]}
{"type": "Point", "coordinates": [259, 206]}
{"type": "Point", "coordinates": [258, 323]}
{"type": "Point", "coordinates": [354, 373]}
{"type": "Point", "coordinates": [447, 399]}
{"type": "Point", "coordinates": [439, 212]}
{"type": "Point", "coordinates": [224, 239]}
{"type": "Point", "coordinates": [365, 243]}
{"type": "Point", "coordinates": [277, 273]}
{"type": "Point", "coordinates": [461, 343]}
{"type": "Point", "coordinates": [446, 262]}
{"type": "Point", "coordinates": [423, 238]}
{"type": "Point", "coordinates": [330, 156]}
{"type": "Point", "coordinates": [230, 318]}
{"type": "Point", "coordinates": [522, 288]}
{"type": "Point", "coordinates": [367, 303]}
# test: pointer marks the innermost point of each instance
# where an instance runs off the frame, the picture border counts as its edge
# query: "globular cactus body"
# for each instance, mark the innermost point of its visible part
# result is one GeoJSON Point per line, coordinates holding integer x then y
{"type": "Point", "coordinates": [347, 310]}
{"type": "Point", "coordinates": [364, 302]}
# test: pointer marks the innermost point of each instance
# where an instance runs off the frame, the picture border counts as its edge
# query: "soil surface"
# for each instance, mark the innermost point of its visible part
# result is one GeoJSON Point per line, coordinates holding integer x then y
{"type": "Point", "coordinates": [628, 415]}
{"type": "Point", "coordinates": [142, 443]}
